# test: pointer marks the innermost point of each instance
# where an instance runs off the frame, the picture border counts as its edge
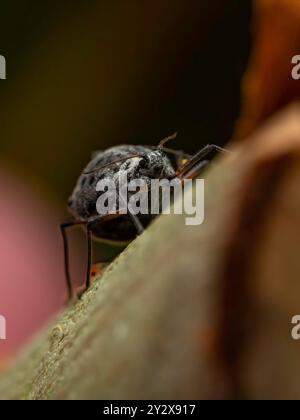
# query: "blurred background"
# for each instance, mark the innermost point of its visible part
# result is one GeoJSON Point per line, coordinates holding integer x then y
{"type": "Point", "coordinates": [83, 76]}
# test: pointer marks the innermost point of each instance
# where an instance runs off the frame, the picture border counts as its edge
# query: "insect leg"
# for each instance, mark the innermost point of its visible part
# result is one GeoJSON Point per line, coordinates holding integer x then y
{"type": "Point", "coordinates": [89, 224]}
{"type": "Point", "coordinates": [139, 227]}
{"type": "Point", "coordinates": [196, 170]}
{"type": "Point", "coordinates": [198, 157]}
{"type": "Point", "coordinates": [63, 228]}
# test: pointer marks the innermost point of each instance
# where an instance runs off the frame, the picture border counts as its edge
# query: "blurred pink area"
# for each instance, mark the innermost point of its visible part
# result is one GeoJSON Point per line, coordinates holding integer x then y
{"type": "Point", "coordinates": [32, 287]}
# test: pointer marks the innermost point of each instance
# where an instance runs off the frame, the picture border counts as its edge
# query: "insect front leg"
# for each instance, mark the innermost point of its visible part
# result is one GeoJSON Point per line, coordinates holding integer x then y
{"type": "Point", "coordinates": [199, 157]}
{"type": "Point", "coordinates": [196, 170]}
{"type": "Point", "coordinates": [135, 220]}
{"type": "Point", "coordinates": [89, 225]}
{"type": "Point", "coordinates": [63, 228]}
{"type": "Point", "coordinates": [89, 239]}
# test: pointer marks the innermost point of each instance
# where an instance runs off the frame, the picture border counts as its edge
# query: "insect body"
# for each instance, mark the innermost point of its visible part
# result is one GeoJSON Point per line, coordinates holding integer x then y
{"type": "Point", "coordinates": [146, 163]}
{"type": "Point", "coordinates": [134, 162]}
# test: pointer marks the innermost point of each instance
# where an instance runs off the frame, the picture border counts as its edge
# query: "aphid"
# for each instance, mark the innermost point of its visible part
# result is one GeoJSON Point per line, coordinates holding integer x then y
{"type": "Point", "coordinates": [146, 162]}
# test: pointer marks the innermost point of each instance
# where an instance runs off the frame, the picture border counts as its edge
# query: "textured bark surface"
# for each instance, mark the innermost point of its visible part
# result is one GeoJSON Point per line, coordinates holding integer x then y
{"type": "Point", "coordinates": [191, 312]}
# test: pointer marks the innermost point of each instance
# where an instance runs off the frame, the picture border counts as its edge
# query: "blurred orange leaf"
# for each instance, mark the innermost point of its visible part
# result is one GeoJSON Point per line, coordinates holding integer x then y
{"type": "Point", "coordinates": [268, 85]}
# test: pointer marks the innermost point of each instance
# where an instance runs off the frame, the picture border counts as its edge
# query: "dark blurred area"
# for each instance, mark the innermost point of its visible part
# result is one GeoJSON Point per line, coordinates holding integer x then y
{"type": "Point", "coordinates": [82, 76]}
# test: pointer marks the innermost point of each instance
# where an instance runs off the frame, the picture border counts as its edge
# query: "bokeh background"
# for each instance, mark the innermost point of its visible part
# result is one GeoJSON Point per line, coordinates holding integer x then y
{"type": "Point", "coordinates": [82, 76]}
